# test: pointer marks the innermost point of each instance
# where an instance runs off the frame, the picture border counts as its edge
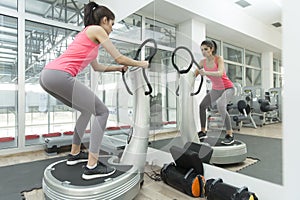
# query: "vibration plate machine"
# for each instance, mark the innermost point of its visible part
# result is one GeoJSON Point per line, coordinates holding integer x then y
{"type": "Point", "coordinates": [61, 182]}
{"type": "Point", "coordinates": [222, 154]}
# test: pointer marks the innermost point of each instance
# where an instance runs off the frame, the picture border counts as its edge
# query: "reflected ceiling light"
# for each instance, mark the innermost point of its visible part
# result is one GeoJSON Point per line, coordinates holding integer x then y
{"type": "Point", "coordinates": [277, 24]}
{"type": "Point", "coordinates": [243, 3]}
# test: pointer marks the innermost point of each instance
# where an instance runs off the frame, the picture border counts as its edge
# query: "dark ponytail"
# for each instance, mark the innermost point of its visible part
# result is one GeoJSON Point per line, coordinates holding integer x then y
{"type": "Point", "coordinates": [215, 47]}
{"type": "Point", "coordinates": [93, 14]}
{"type": "Point", "coordinates": [211, 44]}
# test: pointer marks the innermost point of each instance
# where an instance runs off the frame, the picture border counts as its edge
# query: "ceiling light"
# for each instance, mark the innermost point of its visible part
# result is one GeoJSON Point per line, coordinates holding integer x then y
{"type": "Point", "coordinates": [277, 24]}
{"type": "Point", "coordinates": [243, 3]}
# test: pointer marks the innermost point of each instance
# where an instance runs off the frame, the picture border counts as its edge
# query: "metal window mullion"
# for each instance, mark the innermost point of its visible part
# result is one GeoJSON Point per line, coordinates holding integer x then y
{"type": "Point", "coordinates": [143, 28]}
{"type": "Point", "coordinates": [38, 19]}
{"type": "Point", "coordinates": [21, 74]}
{"type": "Point", "coordinates": [65, 11]}
{"type": "Point", "coordinates": [244, 68]}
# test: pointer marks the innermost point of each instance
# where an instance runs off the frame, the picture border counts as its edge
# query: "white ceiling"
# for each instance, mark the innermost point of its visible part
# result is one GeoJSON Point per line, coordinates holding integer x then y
{"type": "Point", "coordinates": [266, 11]}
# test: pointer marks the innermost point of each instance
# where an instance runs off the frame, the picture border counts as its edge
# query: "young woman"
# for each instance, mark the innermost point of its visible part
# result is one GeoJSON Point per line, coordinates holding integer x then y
{"type": "Point", "coordinates": [58, 78]}
{"type": "Point", "coordinates": [221, 92]}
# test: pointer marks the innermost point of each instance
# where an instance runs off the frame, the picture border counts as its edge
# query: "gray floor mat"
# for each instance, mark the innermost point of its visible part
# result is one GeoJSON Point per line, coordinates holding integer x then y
{"type": "Point", "coordinates": [269, 153]}
{"type": "Point", "coordinates": [18, 178]}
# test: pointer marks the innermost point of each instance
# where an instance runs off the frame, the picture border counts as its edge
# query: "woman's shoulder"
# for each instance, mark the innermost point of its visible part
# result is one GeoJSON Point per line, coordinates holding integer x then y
{"type": "Point", "coordinates": [96, 33]}
{"type": "Point", "coordinates": [94, 28]}
{"type": "Point", "coordinates": [218, 58]}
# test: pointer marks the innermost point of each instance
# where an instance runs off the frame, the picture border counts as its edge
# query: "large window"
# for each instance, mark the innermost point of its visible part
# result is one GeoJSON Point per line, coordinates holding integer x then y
{"type": "Point", "coordinates": [8, 81]}
{"type": "Point", "coordinates": [164, 34]}
{"type": "Point", "coordinates": [130, 28]}
{"type": "Point", "coordinates": [111, 89]}
{"type": "Point", "coordinates": [45, 114]}
{"type": "Point", "coordinates": [277, 73]}
{"type": "Point", "coordinates": [9, 3]}
{"type": "Point", "coordinates": [234, 73]}
{"type": "Point", "coordinates": [67, 11]}
{"type": "Point", "coordinates": [253, 68]}
{"type": "Point", "coordinates": [233, 58]}
{"type": "Point", "coordinates": [232, 53]}
{"type": "Point", "coordinates": [163, 106]}
{"type": "Point", "coordinates": [253, 77]}
{"type": "Point", "coordinates": [253, 59]}
{"type": "Point", "coordinates": [242, 66]}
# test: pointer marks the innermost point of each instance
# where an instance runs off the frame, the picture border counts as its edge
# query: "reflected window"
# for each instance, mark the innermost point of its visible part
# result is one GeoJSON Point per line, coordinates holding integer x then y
{"type": "Point", "coordinates": [276, 65]}
{"type": "Point", "coordinates": [8, 81]}
{"type": "Point", "coordinates": [111, 89]}
{"type": "Point", "coordinates": [9, 3]}
{"type": "Point", "coordinates": [163, 99]}
{"type": "Point", "coordinates": [130, 27]}
{"type": "Point", "coordinates": [234, 73]}
{"type": "Point", "coordinates": [232, 53]}
{"type": "Point", "coordinates": [276, 80]}
{"type": "Point", "coordinates": [44, 114]}
{"type": "Point", "coordinates": [253, 59]}
{"type": "Point", "coordinates": [43, 44]}
{"type": "Point", "coordinates": [171, 99]}
{"type": "Point", "coordinates": [280, 66]}
{"type": "Point", "coordinates": [277, 73]}
{"type": "Point", "coordinates": [67, 11]}
{"type": "Point", "coordinates": [164, 34]}
{"type": "Point", "coordinates": [85, 76]}
{"type": "Point", "coordinates": [253, 77]}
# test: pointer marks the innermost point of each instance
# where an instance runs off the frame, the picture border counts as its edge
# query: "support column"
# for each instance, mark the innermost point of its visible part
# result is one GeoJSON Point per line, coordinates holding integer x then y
{"type": "Point", "coordinates": [267, 70]}
{"type": "Point", "coordinates": [190, 34]}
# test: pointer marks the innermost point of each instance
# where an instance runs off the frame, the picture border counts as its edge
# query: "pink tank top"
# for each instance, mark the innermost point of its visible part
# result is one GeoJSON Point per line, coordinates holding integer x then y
{"type": "Point", "coordinates": [78, 55]}
{"type": "Point", "coordinates": [218, 83]}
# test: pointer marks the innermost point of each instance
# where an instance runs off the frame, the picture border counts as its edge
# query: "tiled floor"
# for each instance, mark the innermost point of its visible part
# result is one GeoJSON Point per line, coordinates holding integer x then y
{"type": "Point", "coordinates": [152, 190]}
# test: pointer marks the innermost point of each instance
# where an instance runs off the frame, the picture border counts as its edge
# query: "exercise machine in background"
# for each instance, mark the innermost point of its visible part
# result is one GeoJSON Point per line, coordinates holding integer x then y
{"type": "Point", "coordinates": [271, 106]}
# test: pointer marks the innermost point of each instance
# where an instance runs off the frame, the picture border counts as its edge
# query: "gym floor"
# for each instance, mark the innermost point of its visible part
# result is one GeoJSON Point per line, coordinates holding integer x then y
{"type": "Point", "coordinates": [151, 189]}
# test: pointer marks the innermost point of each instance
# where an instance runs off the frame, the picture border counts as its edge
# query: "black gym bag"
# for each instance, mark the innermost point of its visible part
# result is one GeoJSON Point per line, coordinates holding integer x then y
{"type": "Point", "coordinates": [186, 173]}
{"type": "Point", "coordinates": [186, 181]}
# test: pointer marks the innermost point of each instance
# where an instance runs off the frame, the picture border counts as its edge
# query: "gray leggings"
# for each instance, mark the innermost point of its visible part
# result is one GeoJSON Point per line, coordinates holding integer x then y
{"type": "Point", "coordinates": [221, 98]}
{"type": "Point", "coordinates": [64, 87]}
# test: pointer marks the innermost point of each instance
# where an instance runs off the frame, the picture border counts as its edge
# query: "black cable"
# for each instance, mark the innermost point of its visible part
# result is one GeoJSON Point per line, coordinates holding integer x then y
{"type": "Point", "coordinates": [154, 176]}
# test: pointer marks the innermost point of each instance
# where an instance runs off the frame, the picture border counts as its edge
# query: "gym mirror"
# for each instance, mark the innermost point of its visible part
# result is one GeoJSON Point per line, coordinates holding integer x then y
{"type": "Point", "coordinates": [252, 63]}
